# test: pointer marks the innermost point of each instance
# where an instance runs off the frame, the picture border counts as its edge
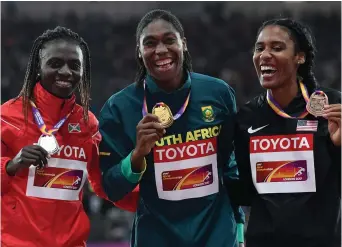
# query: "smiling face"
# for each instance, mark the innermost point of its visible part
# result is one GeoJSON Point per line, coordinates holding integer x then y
{"type": "Point", "coordinates": [61, 67]}
{"type": "Point", "coordinates": [162, 50]}
{"type": "Point", "coordinates": [275, 58]}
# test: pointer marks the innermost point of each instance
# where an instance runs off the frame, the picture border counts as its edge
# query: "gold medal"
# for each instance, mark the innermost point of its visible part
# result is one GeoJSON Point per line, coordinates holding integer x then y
{"type": "Point", "coordinates": [316, 103]}
{"type": "Point", "coordinates": [163, 112]}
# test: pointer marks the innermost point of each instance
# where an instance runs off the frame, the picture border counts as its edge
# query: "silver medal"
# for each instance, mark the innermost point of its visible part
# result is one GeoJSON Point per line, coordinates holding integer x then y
{"type": "Point", "coordinates": [49, 143]}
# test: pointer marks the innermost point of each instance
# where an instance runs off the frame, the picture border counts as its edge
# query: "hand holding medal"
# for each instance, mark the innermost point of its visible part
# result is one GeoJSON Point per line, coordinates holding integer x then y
{"type": "Point", "coordinates": [333, 114]}
{"type": "Point", "coordinates": [149, 131]}
{"type": "Point", "coordinates": [27, 156]}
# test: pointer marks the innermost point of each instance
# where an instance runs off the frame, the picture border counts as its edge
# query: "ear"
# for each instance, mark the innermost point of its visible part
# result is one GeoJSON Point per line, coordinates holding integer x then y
{"type": "Point", "coordinates": [139, 53]}
{"type": "Point", "coordinates": [185, 47]}
{"type": "Point", "coordinates": [301, 58]}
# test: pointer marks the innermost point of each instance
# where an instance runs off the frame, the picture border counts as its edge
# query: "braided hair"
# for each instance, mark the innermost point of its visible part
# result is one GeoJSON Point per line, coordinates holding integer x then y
{"type": "Point", "coordinates": [32, 75]}
{"type": "Point", "coordinates": [304, 42]}
{"type": "Point", "coordinates": [147, 19]}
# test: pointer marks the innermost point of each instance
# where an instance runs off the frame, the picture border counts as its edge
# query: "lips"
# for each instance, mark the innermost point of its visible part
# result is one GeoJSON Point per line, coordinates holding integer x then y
{"type": "Point", "coordinates": [164, 65]}
{"type": "Point", "coordinates": [267, 70]}
{"type": "Point", "coordinates": [63, 84]}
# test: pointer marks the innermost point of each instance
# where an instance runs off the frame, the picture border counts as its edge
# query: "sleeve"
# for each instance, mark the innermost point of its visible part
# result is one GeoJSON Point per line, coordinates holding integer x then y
{"type": "Point", "coordinates": [130, 201]}
{"type": "Point", "coordinates": [94, 173]}
{"type": "Point", "coordinates": [5, 178]}
{"type": "Point", "coordinates": [244, 188]}
{"type": "Point", "coordinates": [115, 155]}
{"type": "Point", "coordinates": [7, 132]}
{"type": "Point", "coordinates": [230, 171]}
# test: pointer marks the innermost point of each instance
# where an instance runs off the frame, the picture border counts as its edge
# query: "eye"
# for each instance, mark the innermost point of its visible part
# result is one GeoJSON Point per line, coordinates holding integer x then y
{"type": "Point", "coordinates": [258, 49]}
{"type": "Point", "coordinates": [75, 66]}
{"type": "Point", "coordinates": [56, 63]}
{"type": "Point", "coordinates": [170, 41]}
{"type": "Point", "coordinates": [149, 43]}
{"type": "Point", "coordinates": [277, 48]}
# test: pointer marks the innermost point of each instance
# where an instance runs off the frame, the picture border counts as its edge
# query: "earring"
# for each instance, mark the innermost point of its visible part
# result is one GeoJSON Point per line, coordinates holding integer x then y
{"type": "Point", "coordinates": [139, 55]}
{"type": "Point", "coordinates": [38, 77]}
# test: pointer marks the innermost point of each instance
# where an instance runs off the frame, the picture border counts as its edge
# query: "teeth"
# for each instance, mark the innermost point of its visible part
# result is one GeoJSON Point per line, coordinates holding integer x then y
{"type": "Point", "coordinates": [163, 62]}
{"type": "Point", "coordinates": [267, 68]}
{"type": "Point", "coordinates": [64, 83]}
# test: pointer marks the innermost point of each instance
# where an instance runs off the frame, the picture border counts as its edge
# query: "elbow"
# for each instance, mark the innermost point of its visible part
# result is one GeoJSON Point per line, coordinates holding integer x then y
{"type": "Point", "coordinates": [116, 188]}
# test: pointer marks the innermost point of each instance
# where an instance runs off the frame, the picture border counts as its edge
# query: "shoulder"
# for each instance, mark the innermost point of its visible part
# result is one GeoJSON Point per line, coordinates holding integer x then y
{"type": "Point", "coordinates": [125, 95]}
{"type": "Point", "coordinates": [126, 98]}
{"type": "Point", "coordinates": [210, 82]}
{"type": "Point", "coordinates": [92, 125]}
{"type": "Point", "coordinates": [12, 119]}
{"type": "Point", "coordinates": [252, 106]}
{"type": "Point", "coordinates": [11, 105]}
{"type": "Point", "coordinates": [12, 110]}
{"type": "Point", "coordinates": [212, 86]}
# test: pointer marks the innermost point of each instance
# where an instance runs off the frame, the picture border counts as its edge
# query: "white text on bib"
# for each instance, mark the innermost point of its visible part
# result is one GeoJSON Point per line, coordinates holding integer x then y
{"type": "Point", "coordinates": [186, 170]}
{"type": "Point", "coordinates": [283, 163]}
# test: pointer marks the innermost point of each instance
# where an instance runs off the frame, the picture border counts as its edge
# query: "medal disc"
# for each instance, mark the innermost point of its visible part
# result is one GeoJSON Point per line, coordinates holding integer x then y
{"type": "Point", "coordinates": [49, 143]}
{"type": "Point", "coordinates": [316, 104]}
{"type": "Point", "coordinates": [163, 112]}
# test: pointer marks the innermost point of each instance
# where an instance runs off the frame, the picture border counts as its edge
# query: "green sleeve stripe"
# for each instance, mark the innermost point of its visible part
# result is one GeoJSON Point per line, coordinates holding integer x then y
{"type": "Point", "coordinates": [127, 170]}
{"type": "Point", "coordinates": [240, 232]}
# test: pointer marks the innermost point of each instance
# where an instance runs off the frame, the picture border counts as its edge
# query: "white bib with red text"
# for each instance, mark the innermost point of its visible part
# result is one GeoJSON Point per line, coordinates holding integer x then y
{"type": "Point", "coordinates": [186, 170]}
{"type": "Point", "coordinates": [61, 179]}
{"type": "Point", "coordinates": [283, 163]}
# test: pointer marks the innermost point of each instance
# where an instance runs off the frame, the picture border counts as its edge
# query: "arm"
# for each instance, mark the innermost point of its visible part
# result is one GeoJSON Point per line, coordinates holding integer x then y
{"type": "Point", "coordinates": [5, 158]}
{"type": "Point", "coordinates": [231, 173]}
{"type": "Point", "coordinates": [115, 155]}
{"type": "Point", "coordinates": [246, 190]}
{"type": "Point", "coordinates": [94, 173]}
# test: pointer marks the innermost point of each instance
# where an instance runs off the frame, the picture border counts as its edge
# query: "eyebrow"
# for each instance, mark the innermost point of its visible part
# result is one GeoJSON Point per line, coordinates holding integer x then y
{"type": "Point", "coordinates": [153, 37]}
{"type": "Point", "coordinates": [272, 42]}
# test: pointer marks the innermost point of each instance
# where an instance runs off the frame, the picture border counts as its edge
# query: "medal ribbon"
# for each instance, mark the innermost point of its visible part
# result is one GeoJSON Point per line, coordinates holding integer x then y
{"type": "Point", "coordinates": [276, 107]}
{"type": "Point", "coordinates": [175, 117]}
{"type": "Point", "coordinates": [41, 124]}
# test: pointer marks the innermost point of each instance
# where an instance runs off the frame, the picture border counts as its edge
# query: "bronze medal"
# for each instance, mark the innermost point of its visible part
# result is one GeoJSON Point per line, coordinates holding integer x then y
{"type": "Point", "coordinates": [163, 112]}
{"type": "Point", "coordinates": [316, 104]}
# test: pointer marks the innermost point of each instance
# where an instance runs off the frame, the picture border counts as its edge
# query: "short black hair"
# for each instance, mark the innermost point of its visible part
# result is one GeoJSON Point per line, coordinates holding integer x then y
{"type": "Point", "coordinates": [151, 16]}
{"type": "Point", "coordinates": [32, 73]}
{"type": "Point", "coordinates": [304, 42]}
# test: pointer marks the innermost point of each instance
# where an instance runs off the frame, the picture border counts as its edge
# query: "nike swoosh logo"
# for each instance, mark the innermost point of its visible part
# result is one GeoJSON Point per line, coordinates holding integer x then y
{"type": "Point", "coordinates": [251, 131]}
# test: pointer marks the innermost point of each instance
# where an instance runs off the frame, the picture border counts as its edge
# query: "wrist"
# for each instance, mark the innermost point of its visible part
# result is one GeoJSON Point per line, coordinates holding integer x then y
{"type": "Point", "coordinates": [137, 161]}
{"type": "Point", "coordinates": [11, 168]}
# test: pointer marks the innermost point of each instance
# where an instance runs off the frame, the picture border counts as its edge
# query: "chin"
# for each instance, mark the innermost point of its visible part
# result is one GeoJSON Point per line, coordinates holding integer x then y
{"type": "Point", "coordinates": [269, 84]}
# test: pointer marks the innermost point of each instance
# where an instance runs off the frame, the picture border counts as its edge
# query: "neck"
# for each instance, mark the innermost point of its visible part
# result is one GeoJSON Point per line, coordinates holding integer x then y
{"type": "Point", "coordinates": [173, 84]}
{"type": "Point", "coordinates": [284, 95]}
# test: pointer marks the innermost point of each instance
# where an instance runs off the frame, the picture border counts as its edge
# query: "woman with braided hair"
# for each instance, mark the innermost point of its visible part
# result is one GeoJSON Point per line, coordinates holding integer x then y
{"type": "Point", "coordinates": [49, 144]}
{"type": "Point", "coordinates": [169, 168]}
{"type": "Point", "coordinates": [287, 145]}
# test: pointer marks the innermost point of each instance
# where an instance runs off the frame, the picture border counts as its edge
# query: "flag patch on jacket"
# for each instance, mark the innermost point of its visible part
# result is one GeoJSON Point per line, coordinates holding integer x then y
{"type": "Point", "coordinates": [307, 125]}
{"type": "Point", "coordinates": [74, 127]}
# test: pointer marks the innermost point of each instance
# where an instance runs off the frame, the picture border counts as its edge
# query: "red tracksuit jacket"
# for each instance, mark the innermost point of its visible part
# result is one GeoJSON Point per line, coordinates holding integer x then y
{"type": "Point", "coordinates": [43, 208]}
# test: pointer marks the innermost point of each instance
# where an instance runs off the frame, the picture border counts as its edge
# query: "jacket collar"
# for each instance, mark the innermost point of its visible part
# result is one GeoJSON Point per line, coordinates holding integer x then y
{"type": "Point", "coordinates": [51, 107]}
{"type": "Point", "coordinates": [153, 87]}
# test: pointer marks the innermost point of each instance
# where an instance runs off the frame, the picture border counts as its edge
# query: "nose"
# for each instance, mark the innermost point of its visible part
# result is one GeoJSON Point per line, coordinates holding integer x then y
{"type": "Point", "coordinates": [265, 54]}
{"type": "Point", "coordinates": [161, 48]}
{"type": "Point", "coordinates": [65, 71]}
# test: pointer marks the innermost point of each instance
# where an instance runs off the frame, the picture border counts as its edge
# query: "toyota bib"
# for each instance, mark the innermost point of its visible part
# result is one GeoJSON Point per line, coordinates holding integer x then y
{"type": "Point", "coordinates": [283, 163]}
{"type": "Point", "coordinates": [186, 170]}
